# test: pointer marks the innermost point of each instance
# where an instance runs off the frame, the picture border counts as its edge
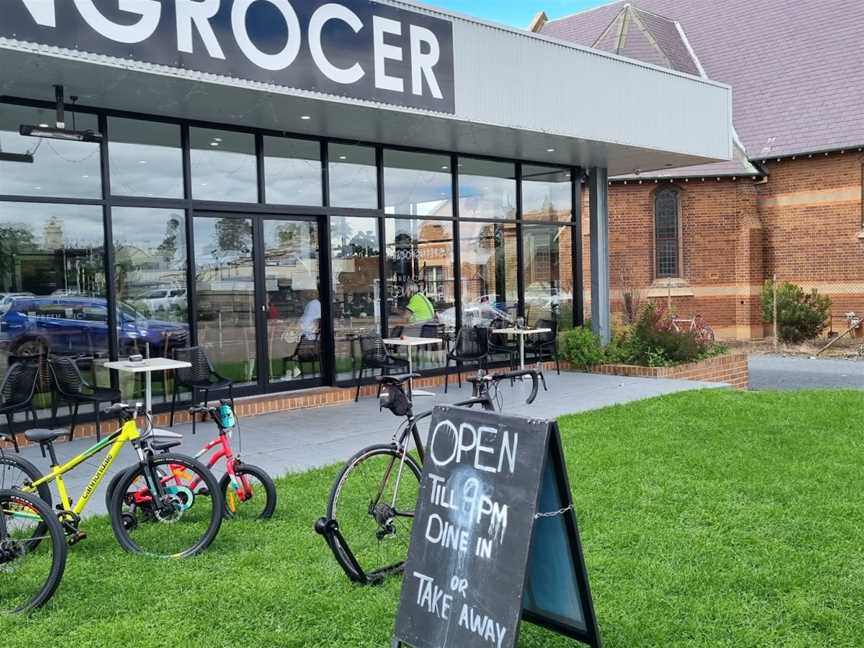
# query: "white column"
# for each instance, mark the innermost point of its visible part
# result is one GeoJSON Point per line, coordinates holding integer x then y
{"type": "Point", "coordinates": [598, 191]}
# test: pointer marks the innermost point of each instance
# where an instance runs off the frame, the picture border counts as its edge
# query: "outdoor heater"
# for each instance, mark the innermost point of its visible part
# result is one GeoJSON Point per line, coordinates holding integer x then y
{"type": "Point", "coordinates": [60, 131]}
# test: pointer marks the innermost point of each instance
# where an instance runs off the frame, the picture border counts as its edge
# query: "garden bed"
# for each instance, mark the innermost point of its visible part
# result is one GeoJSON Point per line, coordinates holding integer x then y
{"type": "Point", "coordinates": [730, 368]}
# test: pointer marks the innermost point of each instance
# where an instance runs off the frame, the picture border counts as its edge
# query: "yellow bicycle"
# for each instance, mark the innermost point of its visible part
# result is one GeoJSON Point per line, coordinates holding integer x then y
{"type": "Point", "coordinates": [167, 505]}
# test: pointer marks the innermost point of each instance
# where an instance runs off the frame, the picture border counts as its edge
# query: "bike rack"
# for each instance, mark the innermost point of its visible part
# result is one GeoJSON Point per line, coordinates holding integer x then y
{"type": "Point", "coordinates": [329, 528]}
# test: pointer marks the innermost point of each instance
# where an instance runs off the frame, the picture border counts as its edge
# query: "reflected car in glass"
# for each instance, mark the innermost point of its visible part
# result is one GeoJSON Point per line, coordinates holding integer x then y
{"type": "Point", "coordinates": [79, 326]}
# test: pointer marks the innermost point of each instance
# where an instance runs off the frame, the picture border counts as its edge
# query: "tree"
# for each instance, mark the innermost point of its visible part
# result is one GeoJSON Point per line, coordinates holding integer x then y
{"type": "Point", "coordinates": [234, 235]}
{"type": "Point", "coordinates": [168, 247]}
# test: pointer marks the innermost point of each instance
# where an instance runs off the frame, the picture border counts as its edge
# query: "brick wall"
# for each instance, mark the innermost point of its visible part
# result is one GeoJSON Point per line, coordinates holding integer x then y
{"type": "Point", "coordinates": [731, 369]}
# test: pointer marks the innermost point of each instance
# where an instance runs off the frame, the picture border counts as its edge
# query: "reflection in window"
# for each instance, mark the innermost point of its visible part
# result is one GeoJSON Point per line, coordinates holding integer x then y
{"type": "Point", "coordinates": [293, 299]}
{"type": "Point", "coordinates": [546, 194]}
{"type": "Point", "coordinates": [353, 177]}
{"type": "Point", "coordinates": [548, 274]}
{"type": "Point", "coordinates": [489, 270]}
{"type": "Point", "coordinates": [356, 285]}
{"type": "Point", "coordinates": [53, 283]}
{"type": "Point", "coordinates": [417, 184]}
{"type": "Point", "coordinates": [225, 286]}
{"type": "Point", "coordinates": [223, 166]}
{"type": "Point", "coordinates": [150, 275]}
{"type": "Point", "coordinates": [145, 158]}
{"type": "Point", "coordinates": [292, 171]}
{"type": "Point", "coordinates": [420, 284]}
{"type": "Point", "coordinates": [487, 189]}
{"type": "Point", "coordinates": [60, 168]}
{"type": "Point", "coordinates": [666, 233]}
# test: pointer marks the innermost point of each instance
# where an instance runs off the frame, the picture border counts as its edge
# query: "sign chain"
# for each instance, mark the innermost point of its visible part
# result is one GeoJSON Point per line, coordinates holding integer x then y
{"type": "Point", "coordinates": [554, 513]}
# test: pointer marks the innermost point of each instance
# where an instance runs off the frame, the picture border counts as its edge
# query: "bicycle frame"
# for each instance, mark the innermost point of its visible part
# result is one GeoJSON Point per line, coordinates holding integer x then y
{"type": "Point", "coordinates": [114, 442]}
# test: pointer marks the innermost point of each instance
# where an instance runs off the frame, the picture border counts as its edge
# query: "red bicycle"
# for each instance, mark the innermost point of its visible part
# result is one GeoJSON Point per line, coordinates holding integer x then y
{"type": "Point", "coordinates": [249, 492]}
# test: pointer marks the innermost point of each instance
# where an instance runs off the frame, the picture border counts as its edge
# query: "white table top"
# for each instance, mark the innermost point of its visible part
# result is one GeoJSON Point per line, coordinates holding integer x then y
{"type": "Point", "coordinates": [153, 364]}
{"type": "Point", "coordinates": [522, 331]}
{"type": "Point", "coordinates": [411, 341]}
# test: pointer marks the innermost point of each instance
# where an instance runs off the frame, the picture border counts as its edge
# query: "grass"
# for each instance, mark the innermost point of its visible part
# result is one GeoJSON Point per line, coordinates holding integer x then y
{"type": "Point", "coordinates": [708, 519]}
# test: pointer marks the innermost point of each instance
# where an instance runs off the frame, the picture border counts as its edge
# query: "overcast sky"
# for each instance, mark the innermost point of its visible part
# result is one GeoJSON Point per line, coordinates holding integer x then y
{"type": "Point", "coordinates": [517, 13]}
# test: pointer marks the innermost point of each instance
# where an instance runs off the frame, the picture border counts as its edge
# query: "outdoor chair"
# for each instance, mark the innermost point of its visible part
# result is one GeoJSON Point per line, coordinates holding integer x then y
{"type": "Point", "coordinates": [544, 345]}
{"type": "Point", "coordinates": [470, 345]}
{"type": "Point", "coordinates": [16, 395]}
{"type": "Point", "coordinates": [201, 376]}
{"type": "Point", "coordinates": [307, 351]}
{"type": "Point", "coordinates": [374, 355]}
{"type": "Point", "coordinates": [501, 344]}
{"type": "Point", "coordinates": [71, 388]}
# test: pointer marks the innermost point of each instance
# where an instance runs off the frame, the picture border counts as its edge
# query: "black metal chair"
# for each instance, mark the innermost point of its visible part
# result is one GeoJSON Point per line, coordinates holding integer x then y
{"type": "Point", "coordinates": [501, 345]}
{"type": "Point", "coordinates": [201, 376]}
{"type": "Point", "coordinates": [470, 345]}
{"type": "Point", "coordinates": [307, 351]}
{"type": "Point", "coordinates": [16, 395]}
{"type": "Point", "coordinates": [71, 388]}
{"type": "Point", "coordinates": [544, 345]}
{"type": "Point", "coordinates": [374, 355]}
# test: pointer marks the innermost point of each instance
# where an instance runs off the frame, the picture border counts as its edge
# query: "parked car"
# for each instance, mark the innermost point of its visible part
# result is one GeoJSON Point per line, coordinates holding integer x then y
{"type": "Point", "coordinates": [481, 311]}
{"type": "Point", "coordinates": [6, 299]}
{"type": "Point", "coordinates": [163, 299]}
{"type": "Point", "coordinates": [79, 326]}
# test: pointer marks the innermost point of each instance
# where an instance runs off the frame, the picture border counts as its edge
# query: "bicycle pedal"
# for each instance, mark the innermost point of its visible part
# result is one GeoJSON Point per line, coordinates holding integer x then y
{"type": "Point", "coordinates": [203, 492]}
{"type": "Point", "coordinates": [76, 537]}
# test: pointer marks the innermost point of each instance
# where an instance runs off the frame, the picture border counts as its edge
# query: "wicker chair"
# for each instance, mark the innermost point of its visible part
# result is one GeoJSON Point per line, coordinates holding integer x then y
{"type": "Point", "coordinates": [201, 376]}
{"type": "Point", "coordinates": [71, 388]}
{"type": "Point", "coordinates": [16, 395]}
{"type": "Point", "coordinates": [471, 345]}
{"type": "Point", "coordinates": [545, 345]}
{"type": "Point", "coordinates": [374, 355]}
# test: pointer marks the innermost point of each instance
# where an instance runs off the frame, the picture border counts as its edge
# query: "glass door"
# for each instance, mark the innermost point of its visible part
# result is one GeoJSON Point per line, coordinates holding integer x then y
{"type": "Point", "coordinates": [292, 286]}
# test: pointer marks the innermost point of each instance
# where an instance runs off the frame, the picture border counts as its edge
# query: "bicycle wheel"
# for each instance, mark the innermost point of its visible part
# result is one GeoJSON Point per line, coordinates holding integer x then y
{"type": "Point", "coordinates": [706, 334]}
{"type": "Point", "coordinates": [169, 506]}
{"type": "Point", "coordinates": [251, 497]}
{"type": "Point", "coordinates": [29, 572]}
{"type": "Point", "coordinates": [16, 473]}
{"type": "Point", "coordinates": [112, 486]}
{"type": "Point", "coordinates": [373, 501]}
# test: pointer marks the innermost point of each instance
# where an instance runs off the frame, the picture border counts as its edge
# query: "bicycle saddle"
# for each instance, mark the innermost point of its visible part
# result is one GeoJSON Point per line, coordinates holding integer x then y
{"type": "Point", "coordinates": [43, 436]}
{"type": "Point", "coordinates": [399, 379]}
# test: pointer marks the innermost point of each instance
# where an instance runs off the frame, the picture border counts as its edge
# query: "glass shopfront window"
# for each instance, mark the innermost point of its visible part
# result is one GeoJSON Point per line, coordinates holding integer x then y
{"type": "Point", "coordinates": [223, 166]}
{"type": "Point", "coordinates": [225, 287]}
{"type": "Point", "coordinates": [546, 194]}
{"type": "Point", "coordinates": [52, 283]}
{"type": "Point", "coordinates": [417, 184]}
{"type": "Point", "coordinates": [421, 284]}
{"type": "Point", "coordinates": [60, 168]}
{"type": "Point", "coordinates": [356, 287]}
{"type": "Point", "coordinates": [150, 276]}
{"type": "Point", "coordinates": [292, 172]}
{"type": "Point", "coordinates": [145, 158]}
{"type": "Point", "coordinates": [353, 177]}
{"type": "Point", "coordinates": [489, 272]}
{"type": "Point", "coordinates": [548, 274]}
{"type": "Point", "coordinates": [487, 189]}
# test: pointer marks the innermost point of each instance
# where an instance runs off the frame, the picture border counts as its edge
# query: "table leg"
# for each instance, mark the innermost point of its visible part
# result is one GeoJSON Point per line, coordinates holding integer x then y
{"type": "Point", "coordinates": [522, 352]}
{"type": "Point", "coordinates": [410, 371]}
{"type": "Point", "coordinates": [148, 392]}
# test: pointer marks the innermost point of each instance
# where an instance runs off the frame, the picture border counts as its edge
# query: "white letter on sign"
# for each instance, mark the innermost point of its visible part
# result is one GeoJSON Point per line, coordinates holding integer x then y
{"type": "Point", "coordinates": [273, 62]}
{"type": "Point", "coordinates": [385, 52]}
{"type": "Point", "coordinates": [199, 12]}
{"type": "Point", "coordinates": [149, 10]}
{"type": "Point", "coordinates": [43, 12]}
{"type": "Point", "coordinates": [321, 16]}
{"type": "Point", "coordinates": [423, 65]}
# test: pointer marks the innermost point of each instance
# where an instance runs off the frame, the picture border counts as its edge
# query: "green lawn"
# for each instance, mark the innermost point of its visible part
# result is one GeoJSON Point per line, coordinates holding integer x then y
{"type": "Point", "coordinates": [708, 519]}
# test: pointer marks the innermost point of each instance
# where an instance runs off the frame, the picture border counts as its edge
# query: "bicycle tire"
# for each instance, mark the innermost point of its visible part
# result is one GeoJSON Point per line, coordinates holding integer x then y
{"type": "Point", "coordinates": [362, 547]}
{"type": "Point", "coordinates": [124, 521]}
{"type": "Point", "coordinates": [32, 472]}
{"type": "Point", "coordinates": [59, 550]}
{"type": "Point", "coordinates": [266, 482]}
{"type": "Point", "coordinates": [112, 486]}
{"type": "Point", "coordinates": [707, 334]}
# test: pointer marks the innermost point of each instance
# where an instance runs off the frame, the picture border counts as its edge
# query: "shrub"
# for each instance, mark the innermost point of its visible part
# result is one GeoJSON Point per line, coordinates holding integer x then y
{"type": "Point", "coordinates": [655, 342]}
{"type": "Point", "coordinates": [583, 348]}
{"type": "Point", "coordinates": [800, 316]}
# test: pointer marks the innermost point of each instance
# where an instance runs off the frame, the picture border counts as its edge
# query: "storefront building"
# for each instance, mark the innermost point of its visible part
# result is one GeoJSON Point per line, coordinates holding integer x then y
{"type": "Point", "coordinates": [269, 179]}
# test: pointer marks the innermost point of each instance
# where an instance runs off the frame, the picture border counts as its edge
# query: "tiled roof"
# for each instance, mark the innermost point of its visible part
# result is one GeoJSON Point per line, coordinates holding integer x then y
{"type": "Point", "coordinates": [796, 67]}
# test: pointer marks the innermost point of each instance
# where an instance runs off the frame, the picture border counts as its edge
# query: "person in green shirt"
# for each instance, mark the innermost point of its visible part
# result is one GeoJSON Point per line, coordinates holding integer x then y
{"type": "Point", "coordinates": [421, 307]}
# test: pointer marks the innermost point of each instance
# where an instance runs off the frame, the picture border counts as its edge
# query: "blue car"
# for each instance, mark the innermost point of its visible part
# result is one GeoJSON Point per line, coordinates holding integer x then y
{"type": "Point", "coordinates": [76, 325]}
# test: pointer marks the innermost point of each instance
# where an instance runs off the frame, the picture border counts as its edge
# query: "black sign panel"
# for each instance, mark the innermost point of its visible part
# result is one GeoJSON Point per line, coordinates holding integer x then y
{"type": "Point", "coordinates": [353, 48]}
{"type": "Point", "coordinates": [479, 537]}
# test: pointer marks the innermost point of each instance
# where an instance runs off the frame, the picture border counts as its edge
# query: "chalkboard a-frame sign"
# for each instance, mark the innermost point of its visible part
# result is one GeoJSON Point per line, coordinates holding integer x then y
{"type": "Point", "coordinates": [495, 538]}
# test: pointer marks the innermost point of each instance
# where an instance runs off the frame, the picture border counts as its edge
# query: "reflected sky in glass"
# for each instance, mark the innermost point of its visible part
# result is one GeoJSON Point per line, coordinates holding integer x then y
{"type": "Point", "coordinates": [292, 172]}
{"type": "Point", "coordinates": [223, 166]}
{"type": "Point", "coordinates": [487, 189]}
{"type": "Point", "coordinates": [145, 159]}
{"type": "Point", "coordinates": [353, 177]}
{"type": "Point", "coordinates": [417, 184]}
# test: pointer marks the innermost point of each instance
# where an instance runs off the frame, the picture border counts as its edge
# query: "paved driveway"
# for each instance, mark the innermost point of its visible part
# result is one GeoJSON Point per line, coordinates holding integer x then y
{"type": "Point", "coordinates": [778, 372]}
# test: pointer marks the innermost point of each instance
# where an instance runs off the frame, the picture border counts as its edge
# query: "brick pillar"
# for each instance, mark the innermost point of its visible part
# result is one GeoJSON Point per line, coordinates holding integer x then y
{"type": "Point", "coordinates": [750, 263]}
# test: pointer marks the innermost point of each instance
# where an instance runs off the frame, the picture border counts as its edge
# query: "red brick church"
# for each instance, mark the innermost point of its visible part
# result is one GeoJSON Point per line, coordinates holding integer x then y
{"type": "Point", "coordinates": [790, 203]}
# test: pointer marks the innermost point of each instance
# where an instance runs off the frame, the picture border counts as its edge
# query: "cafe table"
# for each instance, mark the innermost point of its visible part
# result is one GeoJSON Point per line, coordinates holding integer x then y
{"type": "Point", "coordinates": [521, 333]}
{"type": "Point", "coordinates": [147, 367]}
{"type": "Point", "coordinates": [409, 342]}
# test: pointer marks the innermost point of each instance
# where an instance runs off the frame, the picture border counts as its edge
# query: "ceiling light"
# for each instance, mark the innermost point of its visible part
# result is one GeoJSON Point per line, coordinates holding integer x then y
{"type": "Point", "coordinates": [343, 157]}
{"type": "Point", "coordinates": [214, 143]}
{"type": "Point", "coordinates": [217, 139]}
{"type": "Point", "coordinates": [550, 150]}
{"type": "Point", "coordinates": [43, 125]}
{"type": "Point", "coordinates": [142, 161]}
{"type": "Point", "coordinates": [444, 168]}
{"type": "Point", "coordinates": [305, 117]}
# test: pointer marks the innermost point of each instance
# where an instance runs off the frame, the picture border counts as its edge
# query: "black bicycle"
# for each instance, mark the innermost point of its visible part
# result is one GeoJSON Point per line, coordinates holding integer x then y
{"type": "Point", "coordinates": [32, 552]}
{"type": "Point", "coordinates": [371, 507]}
